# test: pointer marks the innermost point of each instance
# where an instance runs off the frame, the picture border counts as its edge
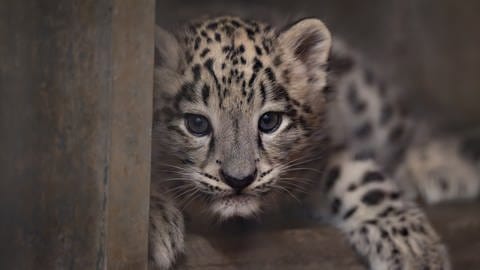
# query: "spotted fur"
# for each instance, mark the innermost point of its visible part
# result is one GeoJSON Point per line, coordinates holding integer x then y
{"type": "Point", "coordinates": [340, 126]}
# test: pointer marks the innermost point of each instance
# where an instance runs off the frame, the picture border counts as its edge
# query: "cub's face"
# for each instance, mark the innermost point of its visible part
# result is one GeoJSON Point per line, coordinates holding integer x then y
{"type": "Point", "coordinates": [238, 108]}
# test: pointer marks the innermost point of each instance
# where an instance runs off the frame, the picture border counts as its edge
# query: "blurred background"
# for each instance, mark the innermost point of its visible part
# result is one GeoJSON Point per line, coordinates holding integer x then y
{"type": "Point", "coordinates": [428, 47]}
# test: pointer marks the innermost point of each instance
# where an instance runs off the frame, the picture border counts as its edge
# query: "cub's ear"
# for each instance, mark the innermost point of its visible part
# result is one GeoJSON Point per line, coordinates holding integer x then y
{"type": "Point", "coordinates": [309, 41]}
{"type": "Point", "coordinates": [167, 49]}
{"type": "Point", "coordinates": [168, 61]}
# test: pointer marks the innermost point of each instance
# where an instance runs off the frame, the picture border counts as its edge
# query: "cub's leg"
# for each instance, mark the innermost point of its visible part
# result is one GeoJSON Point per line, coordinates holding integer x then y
{"type": "Point", "coordinates": [440, 169]}
{"type": "Point", "coordinates": [166, 235]}
{"type": "Point", "coordinates": [385, 229]}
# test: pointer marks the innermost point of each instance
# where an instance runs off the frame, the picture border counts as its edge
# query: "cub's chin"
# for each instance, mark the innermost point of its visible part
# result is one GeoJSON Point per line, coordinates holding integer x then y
{"type": "Point", "coordinates": [242, 205]}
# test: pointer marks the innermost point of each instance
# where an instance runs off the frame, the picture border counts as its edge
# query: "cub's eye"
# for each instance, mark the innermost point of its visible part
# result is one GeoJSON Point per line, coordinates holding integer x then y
{"type": "Point", "coordinates": [197, 124]}
{"type": "Point", "coordinates": [269, 122]}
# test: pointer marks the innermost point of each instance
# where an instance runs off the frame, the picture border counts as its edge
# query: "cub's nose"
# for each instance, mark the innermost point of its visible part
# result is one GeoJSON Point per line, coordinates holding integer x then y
{"type": "Point", "coordinates": [238, 183]}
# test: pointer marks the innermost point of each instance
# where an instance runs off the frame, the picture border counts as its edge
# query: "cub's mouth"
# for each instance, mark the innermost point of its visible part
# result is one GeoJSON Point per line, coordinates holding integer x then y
{"type": "Point", "coordinates": [236, 205]}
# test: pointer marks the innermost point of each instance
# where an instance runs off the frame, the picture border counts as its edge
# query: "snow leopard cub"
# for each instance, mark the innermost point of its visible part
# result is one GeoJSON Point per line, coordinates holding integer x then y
{"type": "Point", "coordinates": [244, 116]}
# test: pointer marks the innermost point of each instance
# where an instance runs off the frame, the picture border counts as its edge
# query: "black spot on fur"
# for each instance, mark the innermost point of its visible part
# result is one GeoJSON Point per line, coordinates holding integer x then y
{"type": "Point", "coordinates": [250, 34]}
{"type": "Point", "coordinates": [263, 93]}
{"type": "Point", "coordinates": [395, 195]}
{"type": "Point", "coordinates": [328, 92]}
{"type": "Point", "coordinates": [331, 177]}
{"type": "Point", "coordinates": [209, 65]}
{"type": "Point", "coordinates": [196, 43]}
{"type": "Point", "coordinates": [350, 213]}
{"type": "Point", "coordinates": [307, 109]}
{"type": "Point", "coordinates": [257, 64]}
{"type": "Point", "coordinates": [212, 26]}
{"type": "Point", "coordinates": [372, 176]}
{"type": "Point", "coordinates": [218, 37]}
{"type": "Point", "coordinates": [252, 79]}
{"type": "Point", "coordinates": [290, 111]}
{"type": "Point", "coordinates": [356, 104]}
{"type": "Point", "coordinates": [205, 94]}
{"type": "Point", "coordinates": [386, 114]}
{"type": "Point", "coordinates": [335, 206]}
{"type": "Point", "coordinates": [186, 93]}
{"type": "Point", "coordinates": [196, 72]}
{"type": "Point", "coordinates": [379, 247]}
{"type": "Point", "coordinates": [270, 75]}
{"type": "Point", "coordinates": [235, 23]}
{"type": "Point", "coordinates": [352, 187]}
{"type": "Point", "coordinates": [228, 30]}
{"type": "Point", "coordinates": [277, 61]}
{"type": "Point", "coordinates": [373, 197]}
{"type": "Point", "coordinates": [250, 96]}
{"type": "Point", "coordinates": [226, 49]}
{"type": "Point", "coordinates": [188, 57]}
{"type": "Point", "coordinates": [286, 75]}
{"type": "Point", "coordinates": [363, 131]}
{"type": "Point", "coordinates": [396, 133]}
{"type": "Point", "coordinates": [266, 45]}
{"type": "Point", "coordinates": [205, 52]}
{"type": "Point", "coordinates": [386, 212]}
{"type": "Point", "coordinates": [258, 50]}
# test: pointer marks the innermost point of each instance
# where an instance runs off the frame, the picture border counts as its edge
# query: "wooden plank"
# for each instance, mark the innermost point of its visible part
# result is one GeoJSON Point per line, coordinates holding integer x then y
{"type": "Point", "coordinates": [128, 196]}
{"type": "Point", "coordinates": [316, 246]}
{"type": "Point", "coordinates": [75, 108]}
{"type": "Point", "coordinates": [285, 249]}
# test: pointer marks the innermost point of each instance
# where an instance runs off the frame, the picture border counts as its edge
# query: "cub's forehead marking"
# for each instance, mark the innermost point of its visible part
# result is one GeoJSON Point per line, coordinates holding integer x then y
{"type": "Point", "coordinates": [230, 55]}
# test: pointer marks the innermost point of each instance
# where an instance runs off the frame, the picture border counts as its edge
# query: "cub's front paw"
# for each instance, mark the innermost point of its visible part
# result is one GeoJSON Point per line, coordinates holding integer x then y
{"type": "Point", "coordinates": [400, 240]}
{"type": "Point", "coordinates": [166, 236]}
{"type": "Point", "coordinates": [427, 256]}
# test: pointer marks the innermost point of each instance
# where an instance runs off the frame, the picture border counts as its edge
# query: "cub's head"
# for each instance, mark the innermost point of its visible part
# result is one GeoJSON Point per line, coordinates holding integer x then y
{"type": "Point", "coordinates": [239, 107]}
